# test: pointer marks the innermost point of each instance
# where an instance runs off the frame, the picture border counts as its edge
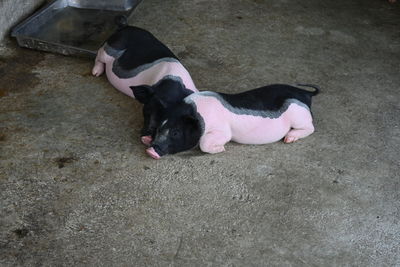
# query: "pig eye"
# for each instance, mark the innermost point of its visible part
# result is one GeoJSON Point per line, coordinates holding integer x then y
{"type": "Point", "coordinates": [175, 133]}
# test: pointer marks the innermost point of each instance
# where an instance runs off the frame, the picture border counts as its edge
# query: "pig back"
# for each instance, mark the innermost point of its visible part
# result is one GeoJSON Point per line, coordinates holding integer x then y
{"type": "Point", "coordinates": [147, 74]}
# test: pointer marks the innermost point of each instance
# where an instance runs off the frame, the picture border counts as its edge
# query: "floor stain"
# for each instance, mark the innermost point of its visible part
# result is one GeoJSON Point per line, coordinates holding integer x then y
{"type": "Point", "coordinates": [87, 74]}
{"type": "Point", "coordinates": [22, 232]}
{"type": "Point", "coordinates": [16, 71]}
{"type": "Point", "coordinates": [61, 162]}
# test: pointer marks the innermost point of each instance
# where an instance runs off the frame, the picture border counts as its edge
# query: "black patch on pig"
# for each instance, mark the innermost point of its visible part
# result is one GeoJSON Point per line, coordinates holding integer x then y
{"type": "Point", "coordinates": [140, 47]}
{"type": "Point", "coordinates": [271, 97]}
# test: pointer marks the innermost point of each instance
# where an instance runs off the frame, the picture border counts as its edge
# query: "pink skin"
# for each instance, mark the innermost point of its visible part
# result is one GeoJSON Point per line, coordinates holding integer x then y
{"type": "Point", "coordinates": [152, 153]}
{"type": "Point", "coordinates": [150, 76]}
{"type": "Point", "coordinates": [146, 140]}
{"type": "Point", "coordinates": [222, 126]}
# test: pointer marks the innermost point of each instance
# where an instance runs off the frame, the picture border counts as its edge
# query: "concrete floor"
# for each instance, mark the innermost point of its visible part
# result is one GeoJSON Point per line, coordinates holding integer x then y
{"type": "Point", "coordinates": [78, 189]}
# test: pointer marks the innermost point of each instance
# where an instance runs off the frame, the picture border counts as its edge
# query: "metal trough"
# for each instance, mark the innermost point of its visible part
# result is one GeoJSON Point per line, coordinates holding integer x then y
{"type": "Point", "coordinates": [72, 27]}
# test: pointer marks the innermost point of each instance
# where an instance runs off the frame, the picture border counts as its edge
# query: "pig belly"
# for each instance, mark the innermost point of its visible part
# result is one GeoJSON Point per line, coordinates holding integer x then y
{"type": "Point", "coordinates": [256, 130]}
{"type": "Point", "coordinates": [149, 76]}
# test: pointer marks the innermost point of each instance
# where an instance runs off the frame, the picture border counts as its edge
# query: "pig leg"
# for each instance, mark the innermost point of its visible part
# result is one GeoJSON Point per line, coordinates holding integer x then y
{"type": "Point", "coordinates": [149, 128]}
{"type": "Point", "coordinates": [98, 67]}
{"type": "Point", "coordinates": [146, 140]}
{"type": "Point", "coordinates": [147, 134]}
{"type": "Point", "coordinates": [213, 142]}
{"type": "Point", "coordinates": [299, 132]}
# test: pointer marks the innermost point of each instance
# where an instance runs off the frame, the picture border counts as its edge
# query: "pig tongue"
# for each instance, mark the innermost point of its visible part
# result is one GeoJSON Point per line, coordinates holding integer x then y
{"type": "Point", "coordinates": [152, 153]}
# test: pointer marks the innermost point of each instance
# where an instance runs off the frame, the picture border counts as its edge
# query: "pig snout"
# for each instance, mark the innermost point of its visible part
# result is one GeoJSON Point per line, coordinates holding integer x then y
{"type": "Point", "coordinates": [157, 150]}
{"type": "Point", "coordinates": [152, 153]}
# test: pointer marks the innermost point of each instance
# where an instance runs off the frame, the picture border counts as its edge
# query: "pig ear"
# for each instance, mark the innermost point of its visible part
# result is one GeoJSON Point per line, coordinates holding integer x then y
{"type": "Point", "coordinates": [169, 92]}
{"type": "Point", "coordinates": [142, 93]}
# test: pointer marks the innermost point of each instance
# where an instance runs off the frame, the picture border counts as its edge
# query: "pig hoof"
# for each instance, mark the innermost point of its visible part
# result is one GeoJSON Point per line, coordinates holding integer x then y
{"type": "Point", "coordinates": [97, 70]}
{"type": "Point", "coordinates": [152, 153]}
{"type": "Point", "coordinates": [216, 149]}
{"type": "Point", "coordinates": [146, 140]}
{"type": "Point", "coordinates": [290, 139]}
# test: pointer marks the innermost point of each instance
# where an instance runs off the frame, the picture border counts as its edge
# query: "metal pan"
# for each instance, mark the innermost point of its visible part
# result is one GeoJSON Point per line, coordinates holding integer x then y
{"type": "Point", "coordinates": [72, 27]}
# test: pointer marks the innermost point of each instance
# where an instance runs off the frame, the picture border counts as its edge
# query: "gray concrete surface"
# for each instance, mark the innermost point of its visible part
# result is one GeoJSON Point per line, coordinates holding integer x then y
{"type": "Point", "coordinates": [78, 190]}
{"type": "Point", "coordinates": [13, 12]}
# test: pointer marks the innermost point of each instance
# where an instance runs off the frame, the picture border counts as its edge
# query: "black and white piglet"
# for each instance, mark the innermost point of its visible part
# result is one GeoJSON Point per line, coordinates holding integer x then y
{"type": "Point", "coordinates": [258, 116]}
{"type": "Point", "coordinates": [141, 66]}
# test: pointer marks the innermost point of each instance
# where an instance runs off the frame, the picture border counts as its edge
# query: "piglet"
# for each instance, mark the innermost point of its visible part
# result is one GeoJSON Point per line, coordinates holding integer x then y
{"type": "Point", "coordinates": [259, 116]}
{"type": "Point", "coordinates": [134, 60]}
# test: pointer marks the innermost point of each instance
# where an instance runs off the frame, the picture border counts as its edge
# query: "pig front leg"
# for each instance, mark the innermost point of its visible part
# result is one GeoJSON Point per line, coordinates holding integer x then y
{"type": "Point", "coordinates": [213, 142]}
{"type": "Point", "coordinates": [150, 124]}
{"type": "Point", "coordinates": [146, 140]}
{"type": "Point", "coordinates": [147, 135]}
{"type": "Point", "coordinates": [99, 65]}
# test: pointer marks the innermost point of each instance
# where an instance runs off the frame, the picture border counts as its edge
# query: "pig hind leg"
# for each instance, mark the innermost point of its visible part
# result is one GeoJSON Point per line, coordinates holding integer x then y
{"type": "Point", "coordinates": [98, 68]}
{"type": "Point", "coordinates": [300, 129]}
{"type": "Point", "coordinates": [295, 134]}
{"type": "Point", "coordinates": [99, 65]}
{"type": "Point", "coordinates": [213, 142]}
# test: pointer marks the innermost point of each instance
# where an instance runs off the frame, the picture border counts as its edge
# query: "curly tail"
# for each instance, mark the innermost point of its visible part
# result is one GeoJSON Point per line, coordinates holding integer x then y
{"type": "Point", "coordinates": [315, 92]}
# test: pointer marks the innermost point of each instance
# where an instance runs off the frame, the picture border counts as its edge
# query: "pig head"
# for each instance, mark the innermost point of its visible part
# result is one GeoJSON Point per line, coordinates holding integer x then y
{"type": "Point", "coordinates": [157, 100]}
{"type": "Point", "coordinates": [259, 116]}
{"type": "Point", "coordinates": [180, 129]}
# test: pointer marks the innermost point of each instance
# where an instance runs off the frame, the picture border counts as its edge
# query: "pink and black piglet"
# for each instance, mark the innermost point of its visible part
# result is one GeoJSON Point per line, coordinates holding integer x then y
{"type": "Point", "coordinates": [258, 116]}
{"type": "Point", "coordinates": [140, 66]}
